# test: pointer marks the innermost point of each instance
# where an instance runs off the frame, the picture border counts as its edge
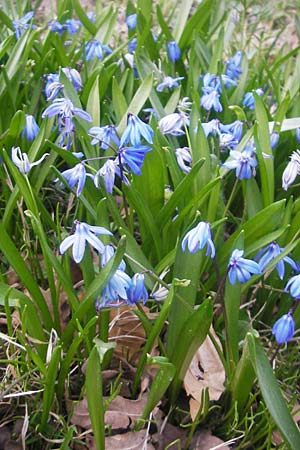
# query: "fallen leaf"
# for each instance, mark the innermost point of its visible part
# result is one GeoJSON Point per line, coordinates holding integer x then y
{"type": "Point", "coordinates": [205, 371]}
{"type": "Point", "coordinates": [128, 441]}
{"type": "Point", "coordinates": [170, 434]}
{"type": "Point", "coordinates": [204, 440]}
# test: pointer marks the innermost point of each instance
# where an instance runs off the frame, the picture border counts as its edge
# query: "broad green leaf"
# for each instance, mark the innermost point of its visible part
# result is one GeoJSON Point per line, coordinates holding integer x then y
{"type": "Point", "coordinates": [48, 395]}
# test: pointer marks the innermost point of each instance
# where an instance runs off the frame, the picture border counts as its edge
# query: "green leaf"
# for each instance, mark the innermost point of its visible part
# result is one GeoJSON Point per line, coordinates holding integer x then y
{"type": "Point", "coordinates": [272, 395]}
{"type": "Point", "coordinates": [87, 23]}
{"type": "Point", "coordinates": [49, 389]}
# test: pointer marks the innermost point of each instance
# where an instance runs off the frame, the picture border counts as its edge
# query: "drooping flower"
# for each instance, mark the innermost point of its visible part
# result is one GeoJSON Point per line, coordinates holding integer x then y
{"type": "Point", "coordinates": [20, 25]}
{"type": "Point", "coordinates": [83, 233]}
{"type": "Point", "coordinates": [135, 130]}
{"type": "Point", "coordinates": [131, 21]}
{"type": "Point", "coordinates": [108, 173]}
{"type": "Point", "coordinates": [31, 127]}
{"type": "Point", "coordinates": [173, 123]}
{"type": "Point", "coordinates": [104, 135]}
{"type": "Point", "coordinates": [184, 158]}
{"type": "Point", "coordinates": [293, 285]}
{"type": "Point", "coordinates": [74, 76]}
{"type": "Point", "coordinates": [233, 66]}
{"type": "Point", "coordinates": [243, 162]}
{"type": "Point", "coordinates": [291, 170]}
{"type": "Point", "coordinates": [270, 252]}
{"type": "Point", "coordinates": [274, 138]}
{"type": "Point", "coordinates": [240, 268]}
{"type": "Point", "coordinates": [21, 160]}
{"type": "Point", "coordinates": [65, 110]}
{"type": "Point", "coordinates": [211, 100]}
{"type": "Point", "coordinates": [173, 51]}
{"type": "Point", "coordinates": [249, 98]}
{"type": "Point", "coordinates": [133, 157]}
{"type": "Point", "coordinates": [95, 48]}
{"type": "Point", "coordinates": [72, 25]}
{"type": "Point", "coordinates": [137, 290]}
{"type": "Point", "coordinates": [76, 175]}
{"type": "Point", "coordinates": [198, 237]}
{"type": "Point", "coordinates": [284, 328]}
{"type": "Point", "coordinates": [132, 44]}
{"type": "Point", "coordinates": [168, 83]}
{"type": "Point", "coordinates": [56, 27]}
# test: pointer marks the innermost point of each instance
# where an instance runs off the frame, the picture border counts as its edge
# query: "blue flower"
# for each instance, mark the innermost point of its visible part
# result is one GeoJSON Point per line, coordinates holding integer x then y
{"type": "Point", "coordinates": [235, 129]}
{"type": "Point", "coordinates": [173, 51]}
{"type": "Point", "coordinates": [291, 170]}
{"type": "Point", "coordinates": [31, 128]}
{"type": "Point", "coordinates": [21, 24]}
{"type": "Point", "coordinates": [233, 65]}
{"type": "Point", "coordinates": [21, 160]}
{"type": "Point", "coordinates": [173, 124]}
{"type": "Point", "coordinates": [107, 254]}
{"type": "Point", "coordinates": [53, 85]}
{"type": "Point", "coordinates": [294, 286]}
{"type": "Point", "coordinates": [131, 21]}
{"type": "Point", "coordinates": [65, 110]}
{"type": "Point", "coordinates": [184, 157]}
{"type": "Point", "coordinates": [116, 289]}
{"type": "Point", "coordinates": [108, 173]}
{"type": "Point", "coordinates": [74, 76]}
{"type": "Point", "coordinates": [76, 175]}
{"type": "Point", "coordinates": [72, 25]}
{"type": "Point", "coordinates": [198, 237]}
{"type": "Point", "coordinates": [244, 162]}
{"type": "Point", "coordinates": [211, 127]}
{"type": "Point", "coordinates": [267, 254]}
{"type": "Point", "coordinates": [135, 130]}
{"type": "Point", "coordinates": [249, 98]}
{"type": "Point", "coordinates": [104, 135]}
{"type": "Point", "coordinates": [211, 100]}
{"type": "Point", "coordinates": [83, 233]}
{"type": "Point", "coordinates": [133, 157]}
{"type": "Point", "coordinates": [56, 26]}
{"type": "Point", "coordinates": [274, 138]}
{"type": "Point", "coordinates": [168, 83]}
{"type": "Point", "coordinates": [95, 48]}
{"type": "Point", "coordinates": [137, 290]}
{"type": "Point", "coordinates": [284, 328]}
{"type": "Point", "coordinates": [132, 44]}
{"type": "Point", "coordinates": [241, 268]}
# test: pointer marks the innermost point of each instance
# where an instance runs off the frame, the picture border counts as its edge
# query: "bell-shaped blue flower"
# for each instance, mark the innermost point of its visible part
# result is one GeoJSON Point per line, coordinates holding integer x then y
{"type": "Point", "coordinates": [20, 25]}
{"type": "Point", "coordinates": [211, 100]}
{"type": "Point", "coordinates": [72, 25]}
{"type": "Point", "coordinates": [133, 157]}
{"type": "Point", "coordinates": [233, 65]}
{"type": "Point", "coordinates": [293, 285]}
{"type": "Point", "coordinates": [184, 158]}
{"type": "Point", "coordinates": [83, 233]}
{"type": "Point", "coordinates": [135, 130]}
{"type": "Point", "coordinates": [104, 135]}
{"type": "Point", "coordinates": [198, 237]}
{"type": "Point", "coordinates": [173, 51]}
{"type": "Point", "coordinates": [137, 290]}
{"type": "Point", "coordinates": [240, 268]}
{"type": "Point", "coordinates": [267, 254]}
{"type": "Point", "coordinates": [243, 162]}
{"type": "Point", "coordinates": [95, 48]}
{"type": "Point", "coordinates": [248, 99]}
{"type": "Point", "coordinates": [168, 83]}
{"type": "Point", "coordinates": [284, 328]}
{"type": "Point", "coordinates": [31, 128]}
{"type": "Point", "coordinates": [291, 170]}
{"type": "Point", "coordinates": [21, 160]}
{"type": "Point", "coordinates": [76, 175]}
{"type": "Point", "coordinates": [131, 21]}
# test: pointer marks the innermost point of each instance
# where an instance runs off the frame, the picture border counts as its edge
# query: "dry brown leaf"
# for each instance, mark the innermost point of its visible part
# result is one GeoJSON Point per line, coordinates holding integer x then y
{"type": "Point", "coordinates": [170, 434]}
{"type": "Point", "coordinates": [206, 371]}
{"type": "Point", "coordinates": [204, 440]}
{"type": "Point", "coordinates": [128, 441]}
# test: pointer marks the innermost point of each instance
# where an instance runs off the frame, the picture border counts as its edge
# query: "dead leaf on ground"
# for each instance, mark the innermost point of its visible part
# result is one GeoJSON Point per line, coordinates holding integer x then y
{"type": "Point", "coordinates": [169, 434]}
{"type": "Point", "coordinates": [120, 413]}
{"type": "Point", "coordinates": [205, 371]}
{"type": "Point", "coordinates": [128, 441]}
{"type": "Point", "coordinates": [204, 440]}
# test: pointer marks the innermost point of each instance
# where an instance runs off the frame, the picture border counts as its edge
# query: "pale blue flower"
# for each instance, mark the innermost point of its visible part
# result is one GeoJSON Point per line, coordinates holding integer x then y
{"type": "Point", "coordinates": [107, 254]}
{"type": "Point", "coordinates": [135, 130]}
{"type": "Point", "coordinates": [108, 173]}
{"type": "Point", "coordinates": [198, 237]}
{"type": "Point", "coordinates": [131, 21]}
{"type": "Point", "coordinates": [95, 48]}
{"type": "Point", "coordinates": [235, 129]}
{"type": "Point", "coordinates": [270, 252]}
{"type": "Point", "coordinates": [31, 128]}
{"type": "Point", "coordinates": [133, 157]}
{"type": "Point", "coordinates": [274, 138]}
{"type": "Point", "coordinates": [291, 170]}
{"type": "Point", "coordinates": [53, 85]}
{"type": "Point", "coordinates": [74, 76]}
{"type": "Point", "coordinates": [21, 160]}
{"type": "Point", "coordinates": [293, 285]}
{"type": "Point", "coordinates": [249, 98]}
{"type": "Point", "coordinates": [168, 83]}
{"type": "Point", "coordinates": [56, 27]}
{"type": "Point", "coordinates": [20, 25]}
{"type": "Point", "coordinates": [211, 100]}
{"type": "Point", "coordinates": [65, 110]}
{"type": "Point", "coordinates": [173, 51]}
{"type": "Point", "coordinates": [76, 175]}
{"type": "Point", "coordinates": [184, 158]}
{"type": "Point", "coordinates": [116, 289]}
{"type": "Point", "coordinates": [284, 328]}
{"type": "Point", "coordinates": [104, 135]}
{"type": "Point", "coordinates": [137, 290]}
{"type": "Point", "coordinates": [173, 124]}
{"type": "Point", "coordinates": [83, 233]}
{"type": "Point", "coordinates": [132, 44]}
{"type": "Point", "coordinates": [243, 162]}
{"type": "Point", "coordinates": [72, 25]}
{"type": "Point", "coordinates": [233, 66]}
{"type": "Point", "coordinates": [211, 127]}
{"type": "Point", "coordinates": [240, 268]}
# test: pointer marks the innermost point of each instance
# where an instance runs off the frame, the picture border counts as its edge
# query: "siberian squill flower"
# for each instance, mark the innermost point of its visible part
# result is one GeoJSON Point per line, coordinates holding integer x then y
{"type": "Point", "coordinates": [137, 290]}
{"type": "Point", "coordinates": [31, 128]}
{"type": "Point", "coordinates": [21, 24]}
{"type": "Point", "coordinates": [235, 129]}
{"type": "Point", "coordinates": [135, 130]}
{"type": "Point", "coordinates": [53, 85]}
{"type": "Point", "coordinates": [21, 160]}
{"type": "Point", "coordinates": [56, 27]}
{"type": "Point", "coordinates": [197, 238]}
{"type": "Point", "coordinates": [184, 158]}
{"type": "Point", "coordinates": [74, 76]}
{"type": "Point", "coordinates": [133, 157]}
{"type": "Point", "coordinates": [173, 123]}
{"type": "Point", "coordinates": [233, 66]}
{"type": "Point", "coordinates": [131, 21]}
{"type": "Point", "coordinates": [76, 175]}
{"type": "Point", "coordinates": [267, 254]}
{"type": "Point", "coordinates": [240, 268]}
{"type": "Point", "coordinates": [249, 98]}
{"type": "Point", "coordinates": [72, 25]}
{"type": "Point", "coordinates": [65, 110]}
{"type": "Point", "coordinates": [173, 51]}
{"type": "Point", "coordinates": [293, 285]}
{"type": "Point", "coordinates": [96, 49]}
{"type": "Point", "coordinates": [108, 173]}
{"type": "Point", "coordinates": [284, 328]}
{"type": "Point", "coordinates": [211, 127]}
{"type": "Point", "coordinates": [132, 44]}
{"type": "Point", "coordinates": [104, 135]}
{"type": "Point", "coordinates": [168, 83]}
{"type": "Point", "coordinates": [83, 233]}
{"type": "Point", "coordinates": [210, 100]}
{"type": "Point", "coordinates": [274, 138]}
{"type": "Point", "coordinates": [291, 170]}
{"type": "Point", "coordinates": [243, 162]}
